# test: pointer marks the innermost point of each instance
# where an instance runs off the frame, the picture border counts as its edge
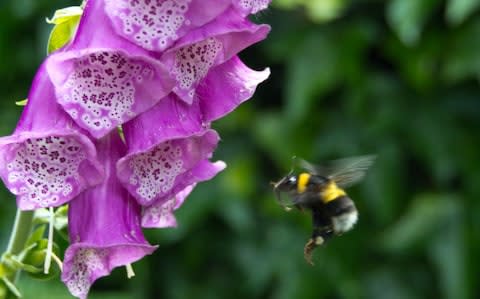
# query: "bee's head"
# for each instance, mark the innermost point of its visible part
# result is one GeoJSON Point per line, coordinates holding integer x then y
{"type": "Point", "coordinates": [286, 184]}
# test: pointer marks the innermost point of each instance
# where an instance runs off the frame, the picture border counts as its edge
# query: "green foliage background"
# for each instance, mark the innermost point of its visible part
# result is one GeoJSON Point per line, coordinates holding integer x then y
{"type": "Point", "coordinates": [394, 78]}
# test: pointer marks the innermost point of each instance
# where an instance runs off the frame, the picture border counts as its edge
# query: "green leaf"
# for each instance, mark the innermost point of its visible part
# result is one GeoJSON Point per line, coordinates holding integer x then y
{"type": "Point", "coordinates": [463, 56]}
{"type": "Point", "coordinates": [30, 269]}
{"type": "Point", "coordinates": [416, 64]}
{"type": "Point", "coordinates": [314, 71]}
{"type": "Point", "coordinates": [323, 61]}
{"type": "Point", "coordinates": [42, 216]}
{"type": "Point", "coordinates": [317, 10]}
{"type": "Point", "coordinates": [434, 149]}
{"type": "Point", "coordinates": [11, 287]}
{"type": "Point", "coordinates": [385, 177]}
{"type": "Point", "coordinates": [34, 260]}
{"type": "Point", "coordinates": [61, 218]}
{"type": "Point", "coordinates": [36, 235]}
{"type": "Point", "coordinates": [3, 291]}
{"type": "Point", "coordinates": [324, 10]}
{"type": "Point", "coordinates": [426, 214]}
{"type": "Point", "coordinates": [65, 14]}
{"type": "Point", "coordinates": [22, 102]}
{"type": "Point", "coordinates": [268, 138]}
{"type": "Point", "coordinates": [407, 17]}
{"type": "Point", "coordinates": [285, 4]}
{"type": "Point", "coordinates": [61, 34]}
{"type": "Point", "coordinates": [459, 10]}
{"type": "Point", "coordinates": [449, 254]}
{"type": "Point", "coordinates": [62, 211]}
{"type": "Point", "coordinates": [120, 132]}
{"type": "Point", "coordinates": [66, 21]}
{"type": "Point", "coordinates": [387, 283]}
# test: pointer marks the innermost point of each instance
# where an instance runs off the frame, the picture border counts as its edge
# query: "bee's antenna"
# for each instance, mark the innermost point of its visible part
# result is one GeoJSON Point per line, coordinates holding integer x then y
{"type": "Point", "coordinates": [292, 166]}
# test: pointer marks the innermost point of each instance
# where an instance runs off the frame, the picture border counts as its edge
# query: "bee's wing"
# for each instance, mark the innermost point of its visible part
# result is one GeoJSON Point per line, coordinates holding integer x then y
{"type": "Point", "coordinates": [322, 170]}
{"type": "Point", "coordinates": [349, 171]}
{"type": "Point", "coordinates": [345, 172]}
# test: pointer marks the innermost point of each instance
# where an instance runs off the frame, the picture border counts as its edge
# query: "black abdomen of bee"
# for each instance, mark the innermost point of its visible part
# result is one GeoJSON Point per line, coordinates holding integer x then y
{"type": "Point", "coordinates": [340, 205]}
{"type": "Point", "coordinates": [343, 213]}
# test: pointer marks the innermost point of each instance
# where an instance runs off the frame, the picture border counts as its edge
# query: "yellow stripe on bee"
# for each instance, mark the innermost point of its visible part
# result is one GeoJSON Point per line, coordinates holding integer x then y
{"type": "Point", "coordinates": [331, 192]}
{"type": "Point", "coordinates": [303, 179]}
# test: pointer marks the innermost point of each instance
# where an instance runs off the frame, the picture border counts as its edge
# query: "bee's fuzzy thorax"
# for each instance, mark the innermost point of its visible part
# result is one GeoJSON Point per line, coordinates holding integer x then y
{"type": "Point", "coordinates": [302, 183]}
{"type": "Point", "coordinates": [331, 192]}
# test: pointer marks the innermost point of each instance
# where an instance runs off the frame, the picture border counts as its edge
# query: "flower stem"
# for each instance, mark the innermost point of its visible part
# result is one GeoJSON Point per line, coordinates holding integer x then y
{"type": "Point", "coordinates": [58, 261]}
{"type": "Point", "coordinates": [130, 272]}
{"type": "Point", "coordinates": [20, 233]}
{"type": "Point", "coordinates": [48, 256]}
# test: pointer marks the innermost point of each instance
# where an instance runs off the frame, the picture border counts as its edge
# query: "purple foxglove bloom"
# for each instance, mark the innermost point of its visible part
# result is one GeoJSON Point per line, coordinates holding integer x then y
{"type": "Point", "coordinates": [251, 6]}
{"type": "Point", "coordinates": [160, 215]}
{"type": "Point", "coordinates": [48, 160]}
{"type": "Point", "coordinates": [227, 86]}
{"type": "Point", "coordinates": [103, 80]}
{"type": "Point", "coordinates": [192, 56]}
{"type": "Point", "coordinates": [155, 25]}
{"type": "Point", "coordinates": [170, 155]}
{"type": "Point", "coordinates": [104, 226]}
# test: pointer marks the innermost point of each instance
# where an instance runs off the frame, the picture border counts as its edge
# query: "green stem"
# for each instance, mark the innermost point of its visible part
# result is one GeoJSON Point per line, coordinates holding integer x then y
{"type": "Point", "coordinates": [20, 233]}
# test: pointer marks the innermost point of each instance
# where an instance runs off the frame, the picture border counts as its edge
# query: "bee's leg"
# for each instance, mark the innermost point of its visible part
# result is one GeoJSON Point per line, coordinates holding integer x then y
{"type": "Point", "coordinates": [319, 236]}
{"type": "Point", "coordinates": [300, 208]}
{"type": "Point", "coordinates": [307, 251]}
{"type": "Point", "coordinates": [322, 231]}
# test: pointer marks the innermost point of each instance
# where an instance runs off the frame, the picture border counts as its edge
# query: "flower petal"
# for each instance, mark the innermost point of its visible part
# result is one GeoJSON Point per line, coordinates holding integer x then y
{"type": "Point", "coordinates": [155, 25]}
{"type": "Point", "coordinates": [101, 89]}
{"type": "Point", "coordinates": [191, 58]}
{"type": "Point", "coordinates": [161, 158]}
{"type": "Point", "coordinates": [48, 160]}
{"type": "Point", "coordinates": [159, 172]}
{"type": "Point", "coordinates": [104, 227]}
{"type": "Point", "coordinates": [102, 80]}
{"type": "Point", "coordinates": [251, 6]}
{"type": "Point", "coordinates": [172, 118]}
{"type": "Point", "coordinates": [160, 215]}
{"type": "Point", "coordinates": [227, 86]}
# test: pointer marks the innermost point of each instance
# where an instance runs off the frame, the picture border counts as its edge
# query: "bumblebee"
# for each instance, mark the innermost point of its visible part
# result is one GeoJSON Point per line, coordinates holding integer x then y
{"type": "Point", "coordinates": [320, 189]}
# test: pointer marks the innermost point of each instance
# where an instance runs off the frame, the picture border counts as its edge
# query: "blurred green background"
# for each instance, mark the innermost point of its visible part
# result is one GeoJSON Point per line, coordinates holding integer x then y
{"type": "Point", "coordinates": [397, 78]}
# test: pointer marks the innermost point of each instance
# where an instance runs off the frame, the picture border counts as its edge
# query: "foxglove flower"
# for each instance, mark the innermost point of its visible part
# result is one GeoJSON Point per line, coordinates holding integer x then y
{"type": "Point", "coordinates": [163, 70]}
{"type": "Point", "coordinates": [160, 214]}
{"type": "Point", "coordinates": [104, 227]}
{"type": "Point", "coordinates": [168, 156]}
{"type": "Point", "coordinates": [247, 7]}
{"type": "Point", "coordinates": [227, 86]}
{"type": "Point", "coordinates": [103, 80]}
{"type": "Point", "coordinates": [191, 57]}
{"type": "Point", "coordinates": [48, 160]}
{"type": "Point", "coordinates": [155, 25]}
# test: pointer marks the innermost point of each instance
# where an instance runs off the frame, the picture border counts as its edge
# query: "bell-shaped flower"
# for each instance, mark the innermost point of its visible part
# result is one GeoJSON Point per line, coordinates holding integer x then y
{"type": "Point", "coordinates": [227, 86]}
{"type": "Point", "coordinates": [190, 59]}
{"type": "Point", "coordinates": [155, 25]}
{"type": "Point", "coordinates": [160, 214]}
{"type": "Point", "coordinates": [103, 80]}
{"type": "Point", "coordinates": [168, 150]}
{"type": "Point", "coordinates": [104, 226]}
{"type": "Point", "coordinates": [247, 7]}
{"type": "Point", "coordinates": [48, 160]}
